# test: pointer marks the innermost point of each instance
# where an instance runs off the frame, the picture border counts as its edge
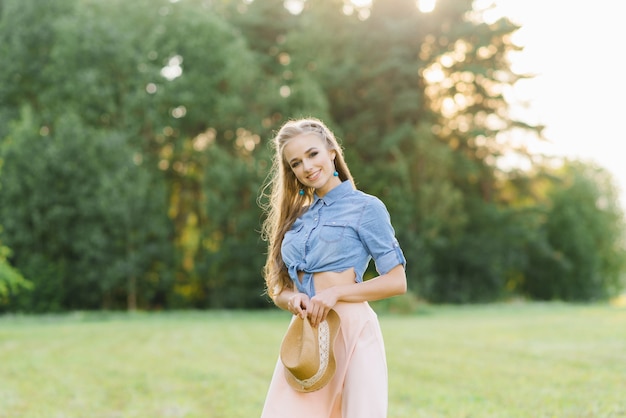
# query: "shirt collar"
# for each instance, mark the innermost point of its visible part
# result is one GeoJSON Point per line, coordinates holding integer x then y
{"type": "Point", "coordinates": [335, 194]}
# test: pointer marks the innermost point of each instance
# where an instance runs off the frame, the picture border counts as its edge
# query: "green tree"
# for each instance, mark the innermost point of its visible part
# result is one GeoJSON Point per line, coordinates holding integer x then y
{"type": "Point", "coordinates": [142, 144]}
{"type": "Point", "coordinates": [580, 256]}
{"type": "Point", "coordinates": [234, 253]}
{"type": "Point", "coordinates": [282, 90]}
{"type": "Point", "coordinates": [12, 282]}
{"type": "Point", "coordinates": [27, 35]}
{"type": "Point", "coordinates": [160, 75]}
{"type": "Point", "coordinates": [84, 221]}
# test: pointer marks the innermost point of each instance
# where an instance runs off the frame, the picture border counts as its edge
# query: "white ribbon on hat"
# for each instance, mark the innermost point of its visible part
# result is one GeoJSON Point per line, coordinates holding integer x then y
{"type": "Point", "coordinates": [324, 345]}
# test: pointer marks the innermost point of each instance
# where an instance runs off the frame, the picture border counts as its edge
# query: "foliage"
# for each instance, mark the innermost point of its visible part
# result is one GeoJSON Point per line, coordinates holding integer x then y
{"type": "Point", "coordinates": [27, 36]}
{"type": "Point", "coordinates": [86, 223]}
{"type": "Point", "coordinates": [135, 143]}
{"type": "Point", "coordinates": [581, 252]}
{"type": "Point", "coordinates": [240, 252]}
{"type": "Point", "coordinates": [11, 280]}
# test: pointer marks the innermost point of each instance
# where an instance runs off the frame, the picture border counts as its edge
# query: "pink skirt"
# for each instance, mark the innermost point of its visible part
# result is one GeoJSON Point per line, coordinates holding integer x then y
{"type": "Point", "coordinates": [359, 387]}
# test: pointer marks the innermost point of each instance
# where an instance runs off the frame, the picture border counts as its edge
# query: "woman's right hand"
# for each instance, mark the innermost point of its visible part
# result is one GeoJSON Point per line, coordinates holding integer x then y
{"type": "Point", "coordinates": [297, 304]}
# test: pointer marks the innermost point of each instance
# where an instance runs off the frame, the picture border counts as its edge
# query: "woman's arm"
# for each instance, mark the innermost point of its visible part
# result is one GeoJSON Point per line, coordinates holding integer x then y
{"type": "Point", "coordinates": [391, 284]}
{"type": "Point", "coordinates": [292, 301]}
{"type": "Point", "coordinates": [387, 285]}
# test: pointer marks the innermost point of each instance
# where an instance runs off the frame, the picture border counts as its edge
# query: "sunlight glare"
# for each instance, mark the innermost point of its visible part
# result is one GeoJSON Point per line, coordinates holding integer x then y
{"type": "Point", "coordinates": [179, 112]}
{"type": "Point", "coordinates": [204, 139]}
{"type": "Point", "coordinates": [285, 91]}
{"type": "Point", "coordinates": [295, 7]}
{"type": "Point", "coordinates": [434, 74]}
{"type": "Point", "coordinates": [173, 68]}
{"type": "Point", "coordinates": [363, 14]}
{"type": "Point", "coordinates": [426, 6]}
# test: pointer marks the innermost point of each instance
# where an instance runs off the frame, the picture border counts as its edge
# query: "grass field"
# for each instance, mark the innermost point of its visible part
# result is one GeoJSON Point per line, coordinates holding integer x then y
{"type": "Point", "coordinates": [508, 360]}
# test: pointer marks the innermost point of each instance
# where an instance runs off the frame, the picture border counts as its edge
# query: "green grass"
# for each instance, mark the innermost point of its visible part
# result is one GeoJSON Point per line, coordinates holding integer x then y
{"type": "Point", "coordinates": [515, 360]}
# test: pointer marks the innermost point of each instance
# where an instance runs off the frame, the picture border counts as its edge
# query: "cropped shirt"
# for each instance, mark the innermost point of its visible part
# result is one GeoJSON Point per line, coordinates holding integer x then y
{"type": "Point", "coordinates": [345, 228]}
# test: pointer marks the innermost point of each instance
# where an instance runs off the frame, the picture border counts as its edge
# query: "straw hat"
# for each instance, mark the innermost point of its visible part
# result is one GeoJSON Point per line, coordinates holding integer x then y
{"type": "Point", "coordinates": [308, 353]}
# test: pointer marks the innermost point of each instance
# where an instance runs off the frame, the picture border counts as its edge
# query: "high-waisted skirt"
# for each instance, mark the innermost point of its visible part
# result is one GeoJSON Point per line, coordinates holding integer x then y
{"type": "Point", "coordinates": [359, 387]}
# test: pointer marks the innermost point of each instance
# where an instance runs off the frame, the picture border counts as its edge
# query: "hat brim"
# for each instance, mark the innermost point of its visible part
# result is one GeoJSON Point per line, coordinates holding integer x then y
{"type": "Point", "coordinates": [332, 318]}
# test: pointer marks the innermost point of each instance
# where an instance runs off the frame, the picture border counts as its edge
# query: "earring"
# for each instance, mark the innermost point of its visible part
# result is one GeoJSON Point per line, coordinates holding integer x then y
{"type": "Point", "coordinates": [335, 173]}
{"type": "Point", "coordinates": [301, 192]}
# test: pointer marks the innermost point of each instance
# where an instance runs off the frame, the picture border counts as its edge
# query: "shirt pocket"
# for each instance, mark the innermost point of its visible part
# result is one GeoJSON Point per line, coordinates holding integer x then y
{"type": "Point", "coordinates": [333, 231]}
{"type": "Point", "coordinates": [294, 232]}
{"type": "Point", "coordinates": [297, 225]}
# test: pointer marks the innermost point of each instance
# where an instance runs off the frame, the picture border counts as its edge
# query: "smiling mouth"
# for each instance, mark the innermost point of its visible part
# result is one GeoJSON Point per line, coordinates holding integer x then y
{"type": "Point", "coordinates": [314, 176]}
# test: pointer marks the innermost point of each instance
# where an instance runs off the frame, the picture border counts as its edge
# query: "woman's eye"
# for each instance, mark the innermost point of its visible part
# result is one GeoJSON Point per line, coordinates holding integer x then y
{"type": "Point", "coordinates": [294, 165]}
{"type": "Point", "coordinates": [314, 153]}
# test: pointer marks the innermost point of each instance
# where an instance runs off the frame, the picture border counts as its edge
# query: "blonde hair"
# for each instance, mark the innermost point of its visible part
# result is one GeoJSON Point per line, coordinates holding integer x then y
{"type": "Point", "coordinates": [285, 203]}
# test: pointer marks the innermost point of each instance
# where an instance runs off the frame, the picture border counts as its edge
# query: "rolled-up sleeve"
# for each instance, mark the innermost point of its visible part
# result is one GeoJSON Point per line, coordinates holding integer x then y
{"type": "Point", "coordinates": [378, 236]}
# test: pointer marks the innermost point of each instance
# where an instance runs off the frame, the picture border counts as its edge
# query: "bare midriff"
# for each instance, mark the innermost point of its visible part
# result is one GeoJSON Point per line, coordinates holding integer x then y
{"type": "Point", "coordinates": [327, 279]}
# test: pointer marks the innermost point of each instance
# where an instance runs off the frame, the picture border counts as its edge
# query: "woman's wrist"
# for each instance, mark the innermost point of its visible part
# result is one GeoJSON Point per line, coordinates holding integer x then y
{"type": "Point", "coordinates": [341, 291]}
{"type": "Point", "coordinates": [282, 299]}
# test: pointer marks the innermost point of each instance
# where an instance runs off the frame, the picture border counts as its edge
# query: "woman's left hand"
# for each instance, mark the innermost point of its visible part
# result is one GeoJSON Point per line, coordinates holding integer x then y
{"type": "Point", "coordinates": [320, 304]}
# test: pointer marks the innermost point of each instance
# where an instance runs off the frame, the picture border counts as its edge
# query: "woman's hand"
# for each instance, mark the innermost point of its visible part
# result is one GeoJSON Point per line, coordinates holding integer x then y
{"type": "Point", "coordinates": [298, 304]}
{"type": "Point", "coordinates": [320, 304]}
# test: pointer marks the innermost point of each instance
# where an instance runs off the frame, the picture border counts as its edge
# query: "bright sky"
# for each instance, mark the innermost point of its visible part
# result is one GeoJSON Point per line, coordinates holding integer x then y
{"type": "Point", "coordinates": [575, 47]}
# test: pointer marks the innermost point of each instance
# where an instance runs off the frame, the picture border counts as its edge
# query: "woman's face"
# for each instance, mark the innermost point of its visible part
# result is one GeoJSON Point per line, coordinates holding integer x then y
{"type": "Point", "coordinates": [311, 162]}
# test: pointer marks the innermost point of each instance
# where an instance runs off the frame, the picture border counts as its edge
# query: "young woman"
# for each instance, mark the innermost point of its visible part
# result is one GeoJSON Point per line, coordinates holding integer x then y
{"type": "Point", "coordinates": [322, 233]}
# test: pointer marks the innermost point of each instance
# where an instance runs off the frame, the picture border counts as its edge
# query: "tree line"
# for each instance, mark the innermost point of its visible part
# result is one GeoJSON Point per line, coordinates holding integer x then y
{"type": "Point", "coordinates": [134, 151]}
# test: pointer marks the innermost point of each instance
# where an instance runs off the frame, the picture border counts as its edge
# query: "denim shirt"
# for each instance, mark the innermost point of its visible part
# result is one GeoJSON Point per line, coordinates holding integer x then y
{"type": "Point", "coordinates": [345, 228]}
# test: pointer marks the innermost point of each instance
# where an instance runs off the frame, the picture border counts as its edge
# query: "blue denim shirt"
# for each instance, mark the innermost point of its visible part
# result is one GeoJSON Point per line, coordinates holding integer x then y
{"type": "Point", "coordinates": [345, 228]}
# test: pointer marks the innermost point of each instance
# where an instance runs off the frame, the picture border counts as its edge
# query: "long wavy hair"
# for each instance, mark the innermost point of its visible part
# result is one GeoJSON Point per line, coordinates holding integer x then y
{"type": "Point", "coordinates": [285, 203]}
